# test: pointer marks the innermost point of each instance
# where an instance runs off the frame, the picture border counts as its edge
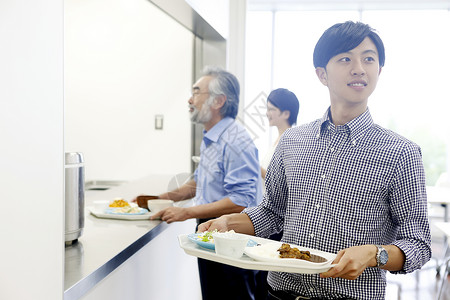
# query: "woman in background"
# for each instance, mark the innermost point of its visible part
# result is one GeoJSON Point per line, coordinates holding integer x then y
{"type": "Point", "coordinates": [282, 111]}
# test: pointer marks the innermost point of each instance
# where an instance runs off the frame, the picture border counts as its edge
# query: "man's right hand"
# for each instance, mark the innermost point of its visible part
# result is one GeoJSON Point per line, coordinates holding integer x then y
{"type": "Point", "coordinates": [220, 224]}
{"type": "Point", "coordinates": [238, 222]}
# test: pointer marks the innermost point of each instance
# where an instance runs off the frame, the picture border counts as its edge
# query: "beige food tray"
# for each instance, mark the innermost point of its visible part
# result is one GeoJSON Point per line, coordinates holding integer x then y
{"type": "Point", "coordinates": [246, 262]}
{"type": "Point", "coordinates": [103, 215]}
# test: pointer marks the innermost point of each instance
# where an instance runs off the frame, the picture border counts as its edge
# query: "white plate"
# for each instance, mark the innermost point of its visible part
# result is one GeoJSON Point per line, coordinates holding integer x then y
{"type": "Point", "coordinates": [104, 215]}
{"type": "Point", "coordinates": [112, 210]}
{"type": "Point", "coordinates": [267, 252]}
{"type": "Point", "coordinates": [247, 262]}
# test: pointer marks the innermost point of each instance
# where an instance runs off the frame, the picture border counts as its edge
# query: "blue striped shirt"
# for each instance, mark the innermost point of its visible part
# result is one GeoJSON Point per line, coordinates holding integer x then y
{"type": "Point", "coordinates": [332, 187]}
{"type": "Point", "coordinates": [229, 166]}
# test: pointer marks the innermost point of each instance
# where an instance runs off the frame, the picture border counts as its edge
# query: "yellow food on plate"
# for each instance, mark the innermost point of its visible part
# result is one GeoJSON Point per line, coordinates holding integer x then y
{"type": "Point", "coordinates": [119, 202]}
{"type": "Point", "coordinates": [207, 236]}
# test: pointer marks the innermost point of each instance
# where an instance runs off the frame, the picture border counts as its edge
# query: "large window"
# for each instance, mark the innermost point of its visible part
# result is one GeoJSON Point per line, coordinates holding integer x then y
{"type": "Point", "coordinates": [412, 92]}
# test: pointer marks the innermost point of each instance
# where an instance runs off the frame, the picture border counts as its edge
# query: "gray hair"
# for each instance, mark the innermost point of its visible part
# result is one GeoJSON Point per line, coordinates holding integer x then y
{"type": "Point", "coordinates": [224, 83]}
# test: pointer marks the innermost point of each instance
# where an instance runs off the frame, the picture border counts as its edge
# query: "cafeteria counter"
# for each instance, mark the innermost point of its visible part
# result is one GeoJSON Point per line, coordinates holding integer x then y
{"type": "Point", "coordinates": [123, 259]}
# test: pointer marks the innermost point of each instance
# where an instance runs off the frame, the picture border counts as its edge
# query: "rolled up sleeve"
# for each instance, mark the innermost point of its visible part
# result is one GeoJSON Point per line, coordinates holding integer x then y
{"type": "Point", "coordinates": [409, 210]}
{"type": "Point", "coordinates": [242, 175]}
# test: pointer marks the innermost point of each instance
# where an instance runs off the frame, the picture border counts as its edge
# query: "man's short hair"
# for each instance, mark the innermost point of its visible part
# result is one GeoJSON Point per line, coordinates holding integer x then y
{"type": "Point", "coordinates": [224, 83]}
{"type": "Point", "coordinates": [343, 37]}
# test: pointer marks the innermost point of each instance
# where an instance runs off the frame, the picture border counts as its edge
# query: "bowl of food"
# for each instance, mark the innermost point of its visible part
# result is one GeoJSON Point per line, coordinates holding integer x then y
{"type": "Point", "coordinates": [230, 243]}
{"type": "Point", "coordinates": [142, 200]}
{"type": "Point", "coordinates": [157, 205]}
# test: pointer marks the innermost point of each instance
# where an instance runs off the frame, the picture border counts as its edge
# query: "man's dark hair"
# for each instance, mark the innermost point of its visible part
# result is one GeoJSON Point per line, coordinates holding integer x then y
{"type": "Point", "coordinates": [343, 37]}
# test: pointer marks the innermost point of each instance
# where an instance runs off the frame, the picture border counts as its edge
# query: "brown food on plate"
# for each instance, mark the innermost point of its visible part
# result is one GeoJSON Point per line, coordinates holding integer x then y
{"type": "Point", "coordinates": [142, 200]}
{"type": "Point", "coordinates": [287, 252]}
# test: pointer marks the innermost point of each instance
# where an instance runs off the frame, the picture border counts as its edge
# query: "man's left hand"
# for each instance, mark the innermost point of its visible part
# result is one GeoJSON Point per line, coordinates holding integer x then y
{"type": "Point", "coordinates": [171, 214]}
{"type": "Point", "coordinates": [351, 262]}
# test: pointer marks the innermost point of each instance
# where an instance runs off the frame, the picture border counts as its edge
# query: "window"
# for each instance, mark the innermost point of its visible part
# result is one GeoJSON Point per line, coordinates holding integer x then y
{"type": "Point", "coordinates": [412, 92]}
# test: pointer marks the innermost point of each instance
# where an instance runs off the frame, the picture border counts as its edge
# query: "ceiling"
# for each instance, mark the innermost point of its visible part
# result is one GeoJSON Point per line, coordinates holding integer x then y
{"type": "Point", "coordinates": [346, 4]}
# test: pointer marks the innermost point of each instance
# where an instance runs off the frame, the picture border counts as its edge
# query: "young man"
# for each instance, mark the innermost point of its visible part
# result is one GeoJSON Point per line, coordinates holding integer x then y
{"type": "Point", "coordinates": [343, 184]}
{"type": "Point", "coordinates": [227, 179]}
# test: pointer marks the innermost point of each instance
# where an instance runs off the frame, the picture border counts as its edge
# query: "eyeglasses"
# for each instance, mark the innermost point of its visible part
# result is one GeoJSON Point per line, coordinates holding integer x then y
{"type": "Point", "coordinates": [193, 94]}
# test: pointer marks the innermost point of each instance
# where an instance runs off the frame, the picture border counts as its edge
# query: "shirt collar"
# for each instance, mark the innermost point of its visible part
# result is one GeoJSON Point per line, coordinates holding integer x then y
{"type": "Point", "coordinates": [355, 127]}
{"type": "Point", "coordinates": [359, 125]}
{"type": "Point", "coordinates": [324, 123]}
{"type": "Point", "coordinates": [216, 131]}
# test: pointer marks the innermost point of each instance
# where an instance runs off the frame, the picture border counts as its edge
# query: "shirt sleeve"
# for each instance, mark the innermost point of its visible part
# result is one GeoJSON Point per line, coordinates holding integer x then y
{"type": "Point", "coordinates": [408, 203]}
{"type": "Point", "coordinates": [196, 174]}
{"type": "Point", "coordinates": [242, 180]}
{"type": "Point", "coordinates": [268, 217]}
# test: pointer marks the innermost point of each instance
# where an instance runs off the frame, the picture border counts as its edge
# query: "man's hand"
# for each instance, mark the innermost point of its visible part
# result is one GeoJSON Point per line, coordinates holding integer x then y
{"type": "Point", "coordinates": [172, 214]}
{"type": "Point", "coordinates": [220, 224]}
{"type": "Point", "coordinates": [351, 262]}
{"type": "Point", "coordinates": [238, 222]}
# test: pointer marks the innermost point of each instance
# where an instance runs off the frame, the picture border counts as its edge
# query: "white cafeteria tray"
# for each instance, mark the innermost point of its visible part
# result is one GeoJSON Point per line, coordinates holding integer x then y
{"type": "Point", "coordinates": [100, 214]}
{"type": "Point", "coordinates": [246, 262]}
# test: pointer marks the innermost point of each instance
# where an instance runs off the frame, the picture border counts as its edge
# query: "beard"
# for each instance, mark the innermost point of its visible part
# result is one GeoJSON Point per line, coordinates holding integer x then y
{"type": "Point", "coordinates": [203, 115]}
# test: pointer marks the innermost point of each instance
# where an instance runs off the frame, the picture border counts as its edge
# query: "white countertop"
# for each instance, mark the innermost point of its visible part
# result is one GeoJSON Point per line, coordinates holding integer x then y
{"type": "Point", "coordinates": [106, 243]}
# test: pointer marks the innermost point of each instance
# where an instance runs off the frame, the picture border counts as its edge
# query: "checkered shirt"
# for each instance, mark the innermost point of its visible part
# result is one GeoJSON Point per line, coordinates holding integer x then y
{"type": "Point", "coordinates": [332, 187]}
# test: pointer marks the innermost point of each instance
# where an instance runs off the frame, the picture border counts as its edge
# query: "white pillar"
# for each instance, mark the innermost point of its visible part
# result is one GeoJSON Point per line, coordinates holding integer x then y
{"type": "Point", "coordinates": [236, 45]}
{"type": "Point", "coordinates": [31, 149]}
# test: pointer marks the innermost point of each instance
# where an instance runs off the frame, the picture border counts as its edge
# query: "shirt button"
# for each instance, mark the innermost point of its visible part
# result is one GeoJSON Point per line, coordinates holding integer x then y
{"type": "Point", "coordinates": [323, 176]}
{"type": "Point", "coordinates": [311, 235]}
{"type": "Point", "coordinates": [318, 135]}
{"type": "Point", "coordinates": [354, 142]}
{"type": "Point", "coordinates": [311, 289]}
{"type": "Point", "coordinates": [317, 206]}
{"type": "Point", "coordinates": [331, 149]}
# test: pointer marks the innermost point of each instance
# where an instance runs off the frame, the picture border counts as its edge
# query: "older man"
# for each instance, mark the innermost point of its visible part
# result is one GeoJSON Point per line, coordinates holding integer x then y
{"type": "Point", "coordinates": [227, 179]}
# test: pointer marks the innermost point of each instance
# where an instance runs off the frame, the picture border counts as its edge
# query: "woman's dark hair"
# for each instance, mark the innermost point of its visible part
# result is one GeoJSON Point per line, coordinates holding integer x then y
{"type": "Point", "coordinates": [284, 99]}
{"type": "Point", "coordinates": [224, 83]}
{"type": "Point", "coordinates": [343, 37]}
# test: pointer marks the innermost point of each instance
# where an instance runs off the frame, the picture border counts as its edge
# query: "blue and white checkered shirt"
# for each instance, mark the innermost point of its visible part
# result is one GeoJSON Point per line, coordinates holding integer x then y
{"type": "Point", "coordinates": [332, 187]}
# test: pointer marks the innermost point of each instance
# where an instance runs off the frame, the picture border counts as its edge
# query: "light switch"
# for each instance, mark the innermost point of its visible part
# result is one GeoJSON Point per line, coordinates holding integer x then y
{"type": "Point", "coordinates": [159, 120]}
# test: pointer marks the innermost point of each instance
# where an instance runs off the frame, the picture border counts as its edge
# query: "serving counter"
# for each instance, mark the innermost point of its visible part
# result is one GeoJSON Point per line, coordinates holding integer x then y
{"type": "Point", "coordinates": [124, 259]}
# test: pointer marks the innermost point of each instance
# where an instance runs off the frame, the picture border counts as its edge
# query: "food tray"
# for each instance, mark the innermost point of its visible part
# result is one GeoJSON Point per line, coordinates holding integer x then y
{"type": "Point", "coordinates": [246, 262]}
{"type": "Point", "coordinates": [104, 215]}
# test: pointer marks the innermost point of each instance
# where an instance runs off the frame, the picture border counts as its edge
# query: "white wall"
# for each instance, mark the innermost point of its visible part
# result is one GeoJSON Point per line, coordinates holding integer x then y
{"type": "Point", "coordinates": [31, 151]}
{"type": "Point", "coordinates": [216, 13]}
{"type": "Point", "coordinates": [236, 48]}
{"type": "Point", "coordinates": [125, 62]}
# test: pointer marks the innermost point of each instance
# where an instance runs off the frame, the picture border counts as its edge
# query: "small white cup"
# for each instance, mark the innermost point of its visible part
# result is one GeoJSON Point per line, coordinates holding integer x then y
{"type": "Point", "coordinates": [158, 204]}
{"type": "Point", "coordinates": [101, 205]}
{"type": "Point", "coordinates": [230, 243]}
